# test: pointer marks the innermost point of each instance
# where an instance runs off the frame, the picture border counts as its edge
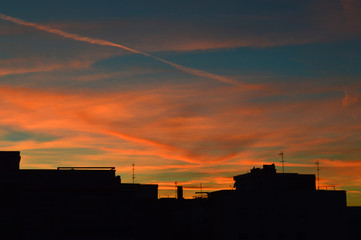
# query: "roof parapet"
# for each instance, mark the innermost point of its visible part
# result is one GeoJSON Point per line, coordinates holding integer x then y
{"type": "Point", "coordinates": [85, 168]}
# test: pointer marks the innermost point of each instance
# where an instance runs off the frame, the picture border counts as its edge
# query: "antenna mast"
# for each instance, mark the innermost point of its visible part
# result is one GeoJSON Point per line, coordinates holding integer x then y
{"type": "Point", "coordinates": [175, 183]}
{"type": "Point", "coordinates": [318, 174]}
{"type": "Point", "coordinates": [133, 173]}
{"type": "Point", "coordinates": [282, 161]}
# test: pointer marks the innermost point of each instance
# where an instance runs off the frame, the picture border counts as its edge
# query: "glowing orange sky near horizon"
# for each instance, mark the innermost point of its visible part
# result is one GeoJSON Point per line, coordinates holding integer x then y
{"type": "Point", "coordinates": [92, 121]}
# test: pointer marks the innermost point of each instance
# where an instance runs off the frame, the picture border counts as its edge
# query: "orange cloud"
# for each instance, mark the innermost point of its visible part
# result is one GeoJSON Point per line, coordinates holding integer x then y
{"type": "Point", "coordinates": [177, 129]}
{"type": "Point", "coordinates": [21, 66]}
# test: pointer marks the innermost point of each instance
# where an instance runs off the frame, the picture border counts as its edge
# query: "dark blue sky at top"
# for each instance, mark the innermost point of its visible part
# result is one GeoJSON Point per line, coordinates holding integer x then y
{"type": "Point", "coordinates": [230, 17]}
{"type": "Point", "coordinates": [292, 38]}
{"type": "Point", "coordinates": [205, 9]}
{"type": "Point", "coordinates": [311, 60]}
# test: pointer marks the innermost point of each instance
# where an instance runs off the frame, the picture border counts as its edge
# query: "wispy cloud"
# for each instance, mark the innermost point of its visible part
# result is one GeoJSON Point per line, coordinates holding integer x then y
{"type": "Point", "coordinates": [213, 132]}
{"type": "Point", "coordinates": [101, 42]}
{"type": "Point", "coordinates": [351, 96]}
{"type": "Point", "coordinates": [34, 65]}
{"type": "Point", "coordinates": [99, 110]}
{"type": "Point", "coordinates": [175, 123]}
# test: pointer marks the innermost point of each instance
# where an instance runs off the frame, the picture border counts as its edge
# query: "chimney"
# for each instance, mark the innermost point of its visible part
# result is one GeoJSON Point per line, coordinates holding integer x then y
{"type": "Point", "coordinates": [9, 160]}
{"type": "Point", "coordinates": [179, 192]}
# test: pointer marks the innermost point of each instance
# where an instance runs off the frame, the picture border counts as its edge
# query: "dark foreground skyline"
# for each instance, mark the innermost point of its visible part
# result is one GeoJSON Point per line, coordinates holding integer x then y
{"type": "Point", "coordinates": [93, 203]}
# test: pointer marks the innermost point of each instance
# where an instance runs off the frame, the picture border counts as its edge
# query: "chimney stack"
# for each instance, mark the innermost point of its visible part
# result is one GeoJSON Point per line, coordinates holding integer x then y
{"type": "Point", "coordinates": [179, 192]}
{"type": "Point", "coordinates": [9, 161]}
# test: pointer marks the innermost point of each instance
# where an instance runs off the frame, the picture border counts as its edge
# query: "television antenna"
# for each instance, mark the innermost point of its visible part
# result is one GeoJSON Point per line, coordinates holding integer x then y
{"type": "Point", "coordinates": [175, 184]}
{"type": "Point", "coordinates": [282, 161]}
{"type": "Point", "coordinates": [318, 174]}
{"type": "Point", "coordinates": [133, 173]}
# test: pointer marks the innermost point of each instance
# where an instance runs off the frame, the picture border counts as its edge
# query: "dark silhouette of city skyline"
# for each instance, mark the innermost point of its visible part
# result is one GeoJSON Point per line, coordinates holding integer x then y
{"type": "Point", "coordinates": [93, 203]}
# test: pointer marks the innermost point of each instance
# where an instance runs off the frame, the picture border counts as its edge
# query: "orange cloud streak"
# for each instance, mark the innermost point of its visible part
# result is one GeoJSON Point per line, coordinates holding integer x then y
{"type": "Point", "coordinates": [174, 128]}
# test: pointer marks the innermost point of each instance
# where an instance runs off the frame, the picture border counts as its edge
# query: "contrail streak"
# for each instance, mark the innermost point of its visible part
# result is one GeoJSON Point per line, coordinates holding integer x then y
{"type": "Point", "coordinates": [96, 41]}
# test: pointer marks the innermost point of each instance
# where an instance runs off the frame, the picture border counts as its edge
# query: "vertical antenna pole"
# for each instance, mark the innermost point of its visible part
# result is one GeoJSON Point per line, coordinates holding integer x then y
{"type": "Point", "coordinates": [175, 183]}
{"type": "Point", "coordinates": [318, 175]}
{"type": "Point", "coordinates": [201, 191]}
{"type": "Point", "coordinates": [282, 161]}
{"type": "Point", "coordinates": [133, 173]}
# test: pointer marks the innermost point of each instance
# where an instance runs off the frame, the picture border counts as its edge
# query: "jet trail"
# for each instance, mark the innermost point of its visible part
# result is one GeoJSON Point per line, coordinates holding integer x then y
{"type": "Point", "coordinates": [192, 71]}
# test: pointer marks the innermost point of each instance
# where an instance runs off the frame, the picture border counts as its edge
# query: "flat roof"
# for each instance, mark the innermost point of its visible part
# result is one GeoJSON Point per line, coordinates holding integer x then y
{"type": "Point", "coordinates": [86, 168]}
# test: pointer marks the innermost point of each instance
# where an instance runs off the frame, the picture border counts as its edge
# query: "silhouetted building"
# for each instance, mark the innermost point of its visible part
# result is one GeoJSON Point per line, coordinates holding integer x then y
{"type": "Point", "coordinates": [93, 203]}
{"type": "Point", "coordinates": [271, 205]}
{"type": "Point", "coordinates": [69, 202]}
{"type": "Point", "coordinates": [266, 179]}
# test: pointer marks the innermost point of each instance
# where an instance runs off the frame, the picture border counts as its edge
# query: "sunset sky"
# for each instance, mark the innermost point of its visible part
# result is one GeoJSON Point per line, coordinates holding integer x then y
{"type": "Point", "coordinates": [189, 91]}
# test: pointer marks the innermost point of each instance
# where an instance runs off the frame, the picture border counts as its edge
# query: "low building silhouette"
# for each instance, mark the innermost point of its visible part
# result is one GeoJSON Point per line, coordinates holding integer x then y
{"type": "Point", "coordinates": [93, 203]}
{"type": "Point", "coordinates": [68, 202]}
